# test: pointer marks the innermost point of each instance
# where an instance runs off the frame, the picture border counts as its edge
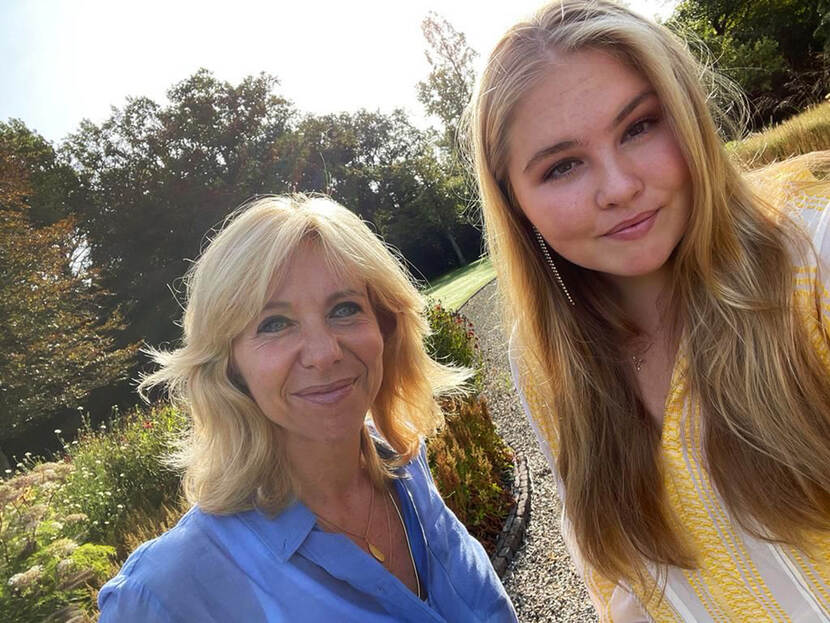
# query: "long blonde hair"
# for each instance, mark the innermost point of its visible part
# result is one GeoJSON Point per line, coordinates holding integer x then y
{"type": "Point", "coordinates": [762, 387]}
{"type": "Point", "coordinates": [233, 458]}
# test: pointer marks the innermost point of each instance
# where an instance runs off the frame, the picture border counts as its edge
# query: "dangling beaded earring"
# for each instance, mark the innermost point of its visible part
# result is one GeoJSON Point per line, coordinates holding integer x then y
{"type": "Point", "coordinates": [549, 259]}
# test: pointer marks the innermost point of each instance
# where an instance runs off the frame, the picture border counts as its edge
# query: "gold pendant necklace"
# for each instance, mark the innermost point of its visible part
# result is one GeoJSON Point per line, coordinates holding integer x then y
{"type": "Point", "coordinates": [374, 550]}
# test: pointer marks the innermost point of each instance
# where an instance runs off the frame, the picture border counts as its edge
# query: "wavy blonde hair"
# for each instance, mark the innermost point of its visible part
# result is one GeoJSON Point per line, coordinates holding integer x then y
{"type": "Point", "coordinates": [762, 387]}
{"type": "Point", "coordinates": [233, 457]}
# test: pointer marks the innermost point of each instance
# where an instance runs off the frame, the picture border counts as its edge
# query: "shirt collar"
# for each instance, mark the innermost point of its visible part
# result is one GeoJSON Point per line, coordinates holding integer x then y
{"type": "Point", "coordinates": [283, 534]}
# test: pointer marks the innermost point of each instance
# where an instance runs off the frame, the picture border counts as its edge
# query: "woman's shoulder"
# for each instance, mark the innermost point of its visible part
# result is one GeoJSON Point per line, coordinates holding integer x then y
{"type": "Point", "coordinates": [799, 188]}
{"type": "Point", "coordinates": [146, 582]}
{"type": "Point", "coordinates": [180, 551]}
{"type": "Point", "coordinates": [173, 546]}
{"type": "Point", "coordinates": [179, 572]}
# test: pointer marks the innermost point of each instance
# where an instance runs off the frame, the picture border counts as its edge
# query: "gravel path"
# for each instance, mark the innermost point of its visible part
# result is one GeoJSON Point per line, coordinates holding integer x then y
{"type": "Point", "coordinates": [541, 581]}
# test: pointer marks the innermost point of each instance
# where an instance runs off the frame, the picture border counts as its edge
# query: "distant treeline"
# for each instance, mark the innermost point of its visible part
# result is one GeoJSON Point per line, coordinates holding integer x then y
{"type": "Point", "coordinates": [777, 51]}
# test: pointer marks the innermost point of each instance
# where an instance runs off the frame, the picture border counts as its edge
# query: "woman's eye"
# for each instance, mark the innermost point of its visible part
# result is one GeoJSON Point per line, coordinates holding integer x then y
{"type": "Point", "coordinates": [344, 310]}
{"type": "Point", "coordinates": [273, 324]}
{"type": "Point", "coordinates": [638, 128]}
{"type": "Point", "coordinates": [561, 169]}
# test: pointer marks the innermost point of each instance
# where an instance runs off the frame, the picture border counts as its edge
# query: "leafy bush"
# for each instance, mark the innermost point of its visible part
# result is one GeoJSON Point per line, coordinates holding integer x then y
{"type": "Point", "coordinates": [470, 463]}
{"type": "Point", "coordinates": [122, 470]}
{"type": "Point", "coordinates": [453, 340]}
{"type": "Point", "coordinates": [46, 569]}
{"type": "Point", "coordinates": [63, 524]}
{"type": "Point", "coordinates": [473, 470]}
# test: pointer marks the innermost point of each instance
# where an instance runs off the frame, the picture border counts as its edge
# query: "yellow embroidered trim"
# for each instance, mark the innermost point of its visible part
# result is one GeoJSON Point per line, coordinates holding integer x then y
{"type": "Point", "coordinates": [715, 561]}
{"type": "Point", "coordinates": [814, 577]}
{"type": "Point", "coordinates": [603, 589]}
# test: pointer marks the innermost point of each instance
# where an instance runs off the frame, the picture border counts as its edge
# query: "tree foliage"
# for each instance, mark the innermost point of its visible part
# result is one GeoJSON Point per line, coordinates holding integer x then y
{"type": "Point", "coordinates": [56, 340]}
{"type": "Point", "coordinates": [445, 94]}
{"type": "Point", "coordinates": [386, 170]}
{"type": "Point", "coordinates": [448, 88]}
{"type": "Point", "coordinates": [778, 51]}
{"type": "Point", "coordinates": [157, 178]}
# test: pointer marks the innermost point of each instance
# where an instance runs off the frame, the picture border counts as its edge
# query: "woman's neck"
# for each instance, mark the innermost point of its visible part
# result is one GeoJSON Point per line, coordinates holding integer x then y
{"type": "Point", "coordinates": [644, 299]}
{"type": "Point", "coordinates": [326, 475]}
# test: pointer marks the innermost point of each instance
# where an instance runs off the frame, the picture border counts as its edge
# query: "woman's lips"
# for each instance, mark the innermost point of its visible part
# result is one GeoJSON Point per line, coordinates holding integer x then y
{"type": "Point", "coordinates": [328, 394]}
{"type": "Point", "coordinates": [637, 227]}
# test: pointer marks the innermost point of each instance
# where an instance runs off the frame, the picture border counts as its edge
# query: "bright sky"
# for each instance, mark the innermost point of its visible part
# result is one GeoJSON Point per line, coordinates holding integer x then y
{"type": "Point", "coordinates": [65, 60]}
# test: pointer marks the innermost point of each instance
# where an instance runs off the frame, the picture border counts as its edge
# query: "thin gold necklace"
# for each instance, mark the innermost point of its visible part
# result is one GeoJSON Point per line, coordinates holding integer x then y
{"type": "Point", "coordinates": [374, 550]}
{"type": "Point", "coordinates": [408, 546]}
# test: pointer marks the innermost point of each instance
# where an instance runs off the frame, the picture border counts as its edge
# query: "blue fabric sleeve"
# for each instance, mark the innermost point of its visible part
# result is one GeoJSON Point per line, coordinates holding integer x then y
{"type": "Point", "coordinates": [125, 600]}
{"type": "Point", "coordinates": [463, 581]}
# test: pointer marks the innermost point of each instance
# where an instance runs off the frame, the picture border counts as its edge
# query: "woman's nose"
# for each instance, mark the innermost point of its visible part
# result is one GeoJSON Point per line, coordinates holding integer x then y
{"type": "Point", "coordinates": [320, 349]}
{"type": "Point", "coordinates": [619, 183]}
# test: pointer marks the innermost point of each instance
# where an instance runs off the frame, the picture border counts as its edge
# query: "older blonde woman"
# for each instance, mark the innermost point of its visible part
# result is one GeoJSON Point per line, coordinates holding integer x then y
{"type": "Point", "coordinates": [672, 321]}
{"type": "Point", "coordinates": [299, 323]}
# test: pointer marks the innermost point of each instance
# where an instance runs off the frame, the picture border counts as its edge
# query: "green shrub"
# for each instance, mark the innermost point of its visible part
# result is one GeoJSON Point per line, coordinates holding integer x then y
{"type": "Point", "coordinates": [121, 469]}
{"type": "Point", "coordinates": [44, 572]}
{"type": "Point", "coordinates": [65, 524]}
{"type": "Point", "coordinates": [454, 341]}
{"type": "Point", "coordinates": [473, 470]}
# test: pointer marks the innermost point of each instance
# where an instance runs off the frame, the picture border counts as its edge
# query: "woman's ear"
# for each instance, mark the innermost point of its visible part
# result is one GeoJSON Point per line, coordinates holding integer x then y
{"type": "Point", "coordinates": [387, 321]}
{"type": "Point", "coordinates": [236, 378]}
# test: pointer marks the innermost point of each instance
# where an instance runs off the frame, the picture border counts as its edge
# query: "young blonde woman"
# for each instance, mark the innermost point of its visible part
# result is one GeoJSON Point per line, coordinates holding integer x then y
{"type": "Point", "coordinates": [671, 321]}
{"type": "Point", "coordinates": [299, 324]}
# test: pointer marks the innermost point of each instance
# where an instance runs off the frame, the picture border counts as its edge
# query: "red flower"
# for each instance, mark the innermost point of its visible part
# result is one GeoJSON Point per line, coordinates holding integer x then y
{"type": "Point", "coordinates": [147, 424]}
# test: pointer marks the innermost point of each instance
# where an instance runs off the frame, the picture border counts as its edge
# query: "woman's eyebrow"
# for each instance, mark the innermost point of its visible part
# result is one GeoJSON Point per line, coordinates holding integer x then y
{"type": "Point", "coordinates": [549, 151]}
{"type": "Point", "coordinates": [563, 145]}
{"type": "Point", "coordinates": [343, 294]}
{"type": "Point", "coordinates": [626, 110]}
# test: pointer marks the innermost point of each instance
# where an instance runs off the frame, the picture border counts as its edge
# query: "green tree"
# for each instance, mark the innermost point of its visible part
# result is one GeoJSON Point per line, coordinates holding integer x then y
{"type": "Point", "coordinates": [155, 179]}
{"type": "Point", "coordinates": [53, 185]}
{"type": "Point", "coordinates": [445, 94]}
{"type": "Point", "coordinates": [56, 338]}
{"type": "Point", "coordinates": [776, 50]}
{"type": "Point", "coordinates": [384, 169]}
{"type": "Point", "coordinates": [448, 88]}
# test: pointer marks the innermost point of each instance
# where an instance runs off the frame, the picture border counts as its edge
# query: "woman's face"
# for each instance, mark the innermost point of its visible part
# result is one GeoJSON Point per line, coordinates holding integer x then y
{"type": "Point", "coordinates": [313, 358]}
{"type": "Point", "coordinates": [595, 167]}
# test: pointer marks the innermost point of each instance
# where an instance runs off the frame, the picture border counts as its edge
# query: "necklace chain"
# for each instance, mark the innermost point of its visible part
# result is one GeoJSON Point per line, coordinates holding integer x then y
{"type": "Point", "coordinates": [638, 359]}
{"type": "Point", "coordinates": [374, 550]}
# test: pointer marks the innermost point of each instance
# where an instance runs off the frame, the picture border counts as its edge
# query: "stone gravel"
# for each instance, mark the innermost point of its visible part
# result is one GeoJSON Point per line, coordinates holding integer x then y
{"type": "Point", "coordinates": [541, 580]}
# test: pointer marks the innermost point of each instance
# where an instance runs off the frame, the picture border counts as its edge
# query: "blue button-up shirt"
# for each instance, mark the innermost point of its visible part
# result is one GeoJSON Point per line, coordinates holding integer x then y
{"type": "Point", "coordinates": [249, 567]}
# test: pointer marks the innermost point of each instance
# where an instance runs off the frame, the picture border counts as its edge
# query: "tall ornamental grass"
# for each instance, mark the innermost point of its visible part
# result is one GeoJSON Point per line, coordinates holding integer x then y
{"type": "Point", "coordinates": [65, 524]}
{"type": "Point", "coordinates": [801, 134]}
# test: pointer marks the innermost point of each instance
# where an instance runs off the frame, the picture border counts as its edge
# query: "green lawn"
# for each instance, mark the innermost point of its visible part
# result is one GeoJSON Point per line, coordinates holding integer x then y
{"type": "Point", "coordinates": [454, 288]}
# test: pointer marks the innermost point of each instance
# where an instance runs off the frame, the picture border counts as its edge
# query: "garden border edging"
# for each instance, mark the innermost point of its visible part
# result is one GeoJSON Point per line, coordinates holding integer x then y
{"type": "Point", "coordinates": [513, 533]}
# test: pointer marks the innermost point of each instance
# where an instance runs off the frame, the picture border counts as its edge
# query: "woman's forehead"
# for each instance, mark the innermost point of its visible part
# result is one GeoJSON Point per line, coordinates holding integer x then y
{"type": "Point", "coordinates": [314, 265]}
